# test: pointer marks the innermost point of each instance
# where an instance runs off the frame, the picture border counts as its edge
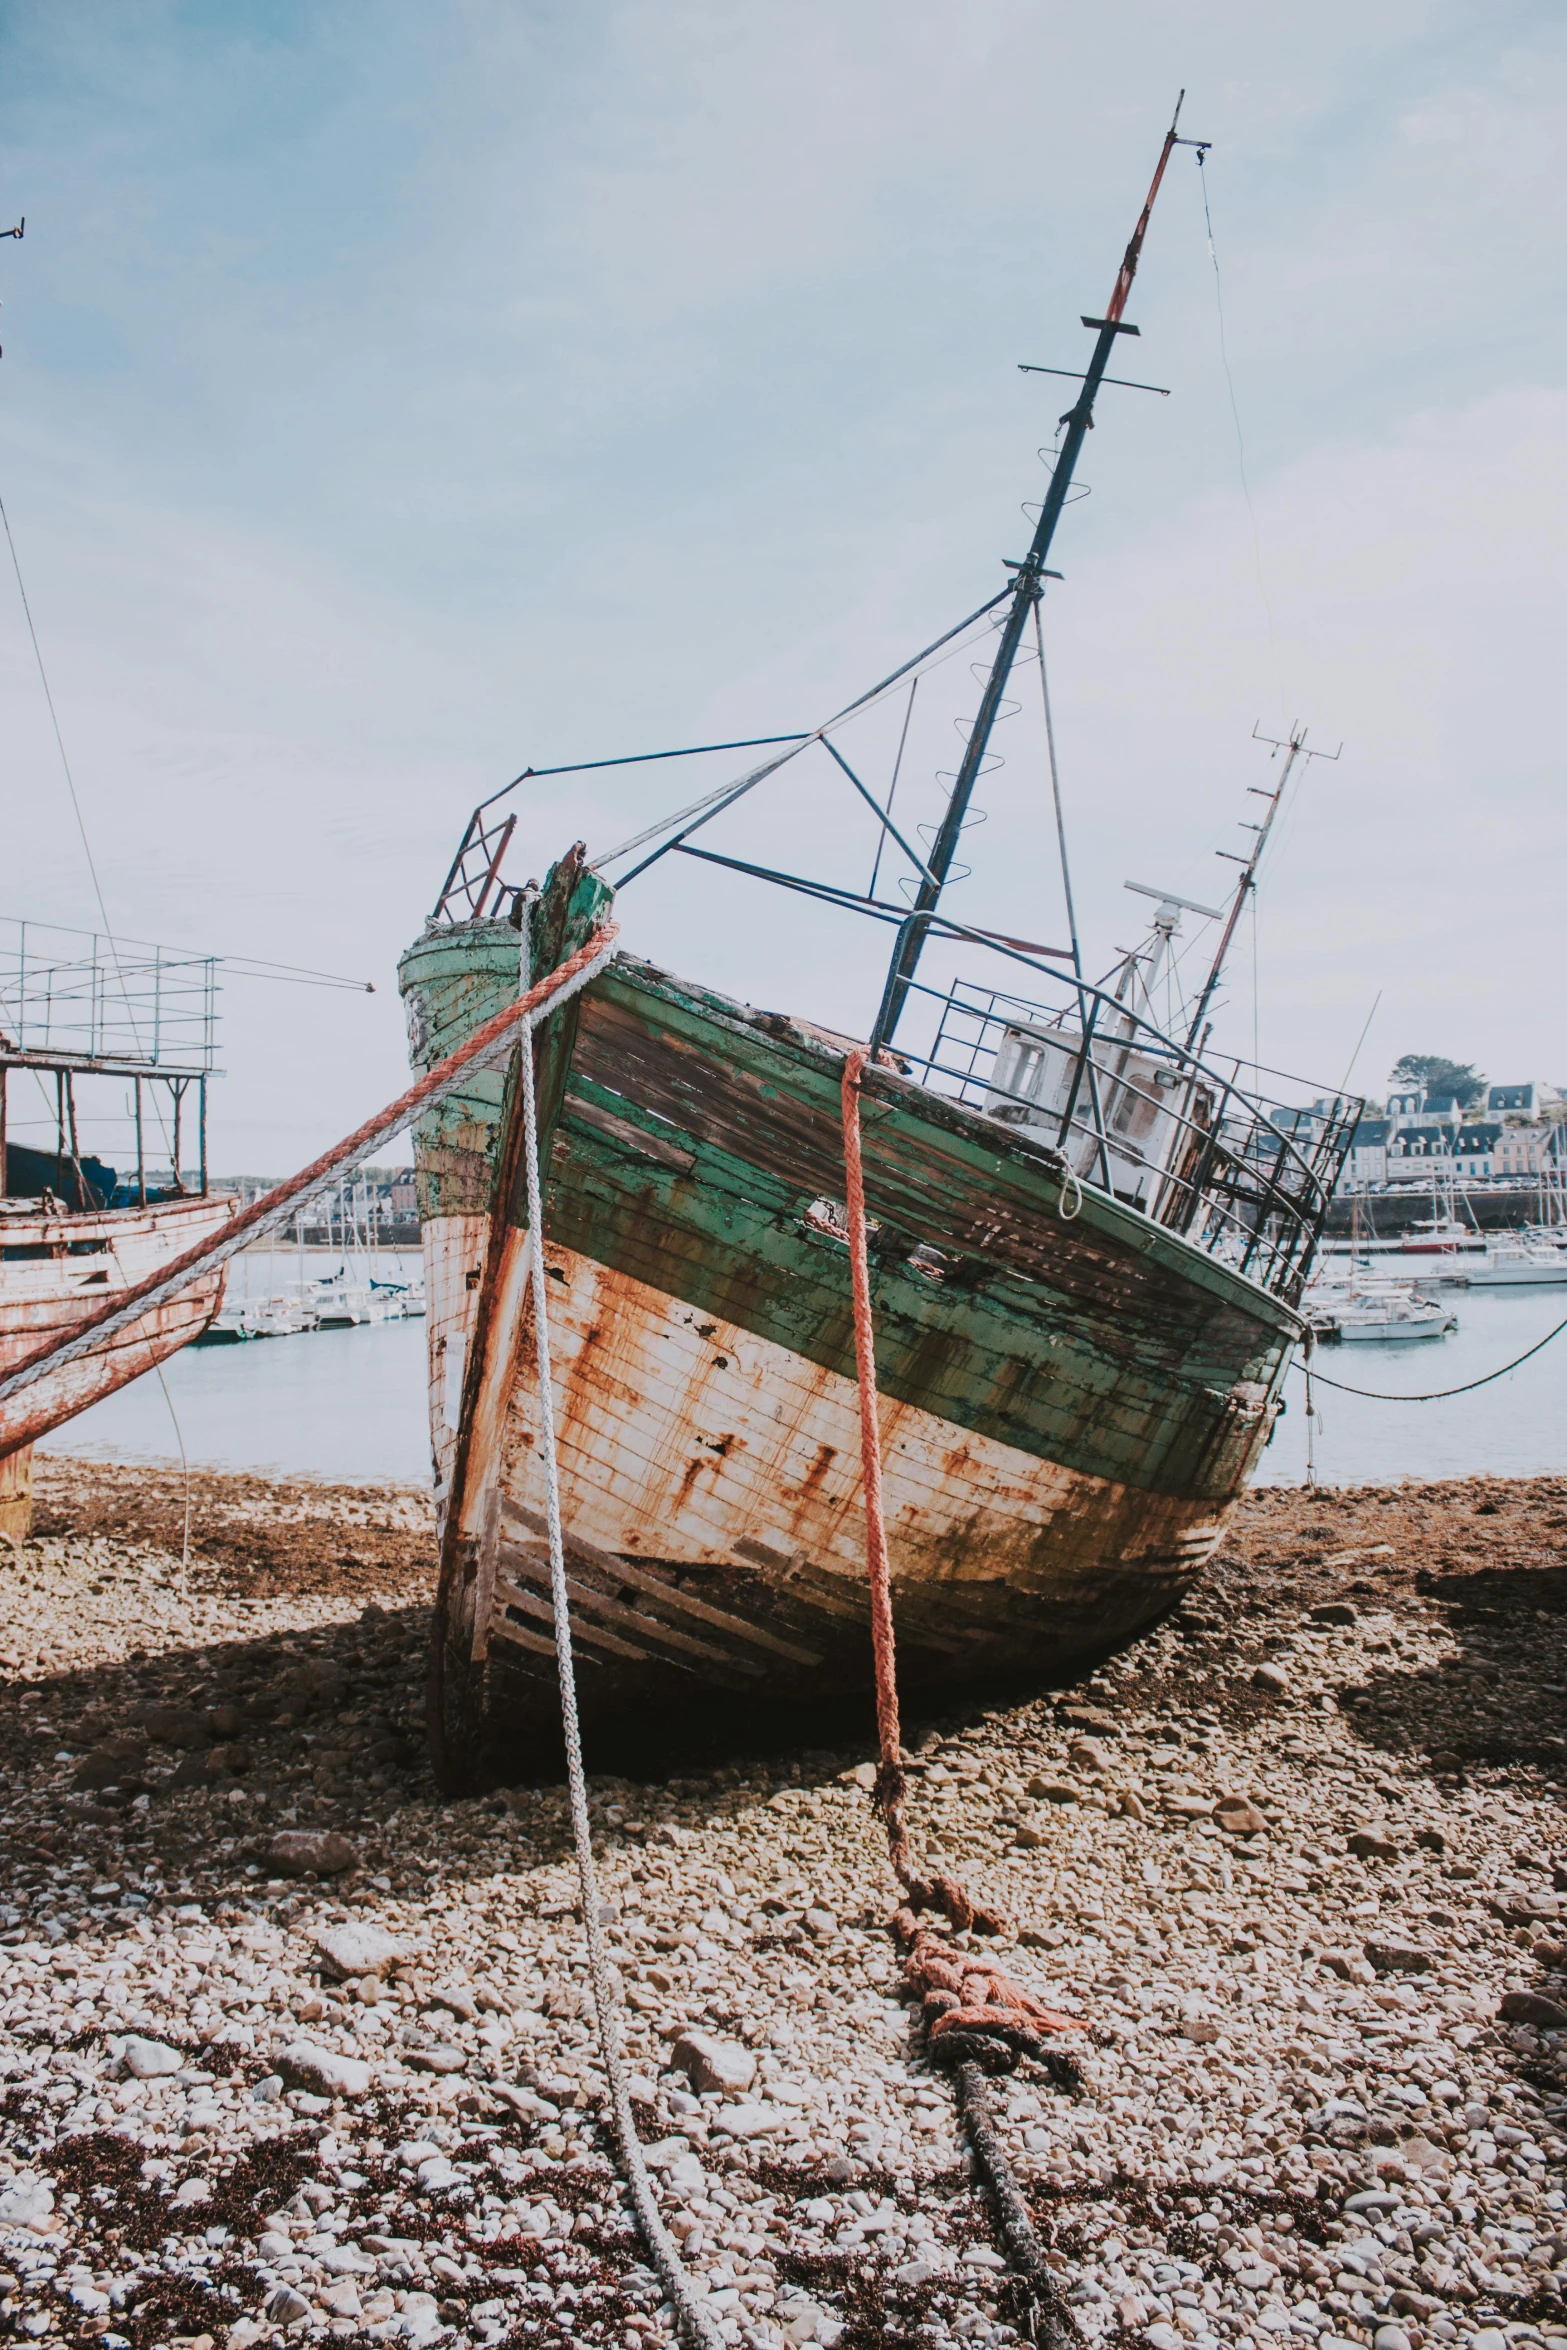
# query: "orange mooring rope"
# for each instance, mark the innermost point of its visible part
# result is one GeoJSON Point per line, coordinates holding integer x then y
{"type": "Point", "coordinates": [939, 1892]}
{"type": "Point", "coordinates": [977, 2020]}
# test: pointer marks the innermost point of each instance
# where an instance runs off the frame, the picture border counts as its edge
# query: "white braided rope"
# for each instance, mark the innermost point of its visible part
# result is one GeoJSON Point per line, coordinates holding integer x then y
{"type": "Point", "coordinates": [696, 2323]}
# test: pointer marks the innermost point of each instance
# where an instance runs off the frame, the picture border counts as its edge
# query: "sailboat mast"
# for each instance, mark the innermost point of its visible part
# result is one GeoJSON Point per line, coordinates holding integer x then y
{"type": "Point", "coordinates": [1027, 590]}
{"type": "Point", "coordinates": [1294, 746]}
{"type": "Point", "coordinates": [1243, 889]}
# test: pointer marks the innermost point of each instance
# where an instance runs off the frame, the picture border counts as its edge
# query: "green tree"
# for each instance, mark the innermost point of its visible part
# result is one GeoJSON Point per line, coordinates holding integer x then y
{"type": "Point", "coordinates": [1432, 1074]}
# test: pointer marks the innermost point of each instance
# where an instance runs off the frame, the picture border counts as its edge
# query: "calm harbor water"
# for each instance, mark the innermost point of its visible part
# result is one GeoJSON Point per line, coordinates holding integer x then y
{"type": "Point", "coordinates": [350, 1404]}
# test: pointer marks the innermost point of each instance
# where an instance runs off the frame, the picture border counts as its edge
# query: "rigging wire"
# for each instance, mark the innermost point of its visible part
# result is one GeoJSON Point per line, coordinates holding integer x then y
{"type": "Point", "coordinates": [184, 1465]}
{"type": "Point", "coordinates": [949, 644]}
{"type": "Point", "coordinates": [54, 720]}
{"type": "Point", "coordinates": [1235, 415]}
{"type": "Point", "coordinates": [892, 789]}
{"type": "Point", "coordinates": [76, 805]}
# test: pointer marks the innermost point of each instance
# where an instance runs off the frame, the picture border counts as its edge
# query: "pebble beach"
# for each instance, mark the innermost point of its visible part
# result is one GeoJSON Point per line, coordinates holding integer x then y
{"type": "Point", "coordinates": [294, 2049]}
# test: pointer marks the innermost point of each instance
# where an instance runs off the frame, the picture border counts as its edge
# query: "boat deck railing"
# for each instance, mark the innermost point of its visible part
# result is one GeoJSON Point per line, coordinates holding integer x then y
{"type": "Point", "coordinates": [1241, 1161]}
{"type": "Point", "coordinates": [75, 1006]}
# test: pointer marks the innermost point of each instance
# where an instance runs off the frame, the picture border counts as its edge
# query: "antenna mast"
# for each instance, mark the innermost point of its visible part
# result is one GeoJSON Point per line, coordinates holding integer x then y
{"type": "Point", "coordinates": [1027, 590]}
{"type": "Point", "coordinates": [1294, 747]}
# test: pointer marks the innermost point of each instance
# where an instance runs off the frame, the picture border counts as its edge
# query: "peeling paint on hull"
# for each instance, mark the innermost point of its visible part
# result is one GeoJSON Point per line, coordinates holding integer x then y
{"type": "Point", "coordinates": [42, 1296]}
{"type": "Point", "coordinates": [1069, 1407]}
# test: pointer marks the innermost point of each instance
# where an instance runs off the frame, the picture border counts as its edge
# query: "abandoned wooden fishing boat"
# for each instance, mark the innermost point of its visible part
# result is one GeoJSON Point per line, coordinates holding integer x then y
{"type": "Point", "coordinates": [73, 1231]}
{"type": "Point", "coordinates": [1088, 1240]}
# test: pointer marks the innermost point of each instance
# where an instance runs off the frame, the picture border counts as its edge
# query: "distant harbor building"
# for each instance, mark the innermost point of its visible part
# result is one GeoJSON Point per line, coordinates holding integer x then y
{"type": "Point", "coordinates": [1367, 1160]}
{"type": "Point", "coordinates": [1518, 1137]}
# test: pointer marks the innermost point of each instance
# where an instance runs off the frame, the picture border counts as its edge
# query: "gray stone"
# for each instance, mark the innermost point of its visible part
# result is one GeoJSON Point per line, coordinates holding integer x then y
{"type": "Point", "coordinates": [747, 2121]}
{"type": "Point", "coordinates": [149, 2060]}
{"type": "Point", "coordinates": [284, 2306]}
{"type": "Point", "coordinates": [1532, 2007]}
{"type": "Point", "coordinates": [324, 2070]}
{"type": "Point", "coordinates": [26, 2202]}
{"type": "Point", "coordinates": [295, 1852]}
{"type": "Point", "coordinates": [356, 1950]}
{"type": "Point", "coordinates": [436, 2060]}
{"type": "Point", "coordinates": [1272, 1678]}
{"type": "Point", "coordinates": [712, 2063]}
{"type": "Point", "coordinates": [1398, 1958]}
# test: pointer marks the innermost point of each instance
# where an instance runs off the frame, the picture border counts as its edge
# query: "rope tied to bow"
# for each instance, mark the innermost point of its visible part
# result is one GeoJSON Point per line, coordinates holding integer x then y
{"type": "Point", "coordinates": [977, 2019]}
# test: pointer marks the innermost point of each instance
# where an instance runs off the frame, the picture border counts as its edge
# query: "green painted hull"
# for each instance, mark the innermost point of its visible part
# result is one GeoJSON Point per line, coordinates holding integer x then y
{"type": "Point", "coordinates": [1073, 1400]}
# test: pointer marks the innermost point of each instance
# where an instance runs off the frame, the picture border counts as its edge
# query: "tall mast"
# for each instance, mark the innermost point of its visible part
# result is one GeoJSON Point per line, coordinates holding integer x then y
{"type": "Point", "coordinates": [1294, 747]}
{"type": "Point", "coordinates": [1027, 590]}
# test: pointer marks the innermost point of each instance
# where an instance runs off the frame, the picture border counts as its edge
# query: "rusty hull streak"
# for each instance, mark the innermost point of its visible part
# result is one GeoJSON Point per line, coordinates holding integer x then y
{"type": "Point", "coordinates": [660, 1447]}
{"type": "Point", "coordinates": [45, 1298]}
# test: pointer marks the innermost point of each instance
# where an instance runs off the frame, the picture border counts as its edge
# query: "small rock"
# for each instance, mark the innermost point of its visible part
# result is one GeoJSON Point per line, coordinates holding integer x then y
{"type": "Point", "coordinates": [1091, 1717]}
{"type": "Point", "coordinates": [527, 2102]}
{"type": "Point", "coordinates": [1089, 1753]}
{"type": "Point", "coordinates": [175, 1725]}
{"type": "Point", "coordinates": [1371, 1844]}
{"type": "Point", "coordinates": [862, 1775]}
{"type": "Point", "coordinates": [108, 1762]}
{"type": "Point", "coordinates": [457, 1999]}
{"type": "Point", "coordinates": [190, 2191]}
{"type": "Point", "coordinates": [1271, 1677]}
{"type": "Point", "coordinates": [1348, 1965]}
{"type": "Point", "coordinates": [1488, 2338]}
{"type": "Point", "coordinates": [1391, 2338]}
{"type": "Point", "coordinates": [747, 2121]}
{"type": "Point", "coordinates": [712, 2063]}
{"type": "Point", "coordinates": [343, 2300]}
{"type": "Point", "coordinates": [1237, 1815]}
{"type": "Point", "coordinates": [1336, 1611]}
{"type": "Point", "coordinates": [804, 2320]}
{"type": "Point", "coordinates": [148, 2060]}
{"type": "Point", "coordinates": [296, 1851]}
{"type": "Point", "coordinates": [1026, 1837]}
{"type": "Point", "coordinates": [357, 1950]}
{"type": "Point", "coordinates": [1444, 1759]}
{"type": "Point", "coordinates": [310, 1686]}
{"type": "Point", "coordinates": [1398, 1958]}
{"type": "Point", "coordinates": [444, 2059]}
{"type": "Point", "coordinates": [325, 2070]}
{"type": "Point", "coordinates": [1161, 2337]}
{"type": "Point", "coordinates": [284, 2306]}
{"type": "Point", "coordinates": [1430, 1840]}
{"type": "Point", "coordinates": [1531, 2007]}
{"type": "Point", "coordinates": [1054, 1791]}
{"type": "Point", "coordinates": [25, 2202]}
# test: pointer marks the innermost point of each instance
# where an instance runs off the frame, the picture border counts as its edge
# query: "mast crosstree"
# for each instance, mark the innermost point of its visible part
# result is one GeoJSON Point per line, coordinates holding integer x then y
{"type": "Point", "coordinates": [1027, 588]}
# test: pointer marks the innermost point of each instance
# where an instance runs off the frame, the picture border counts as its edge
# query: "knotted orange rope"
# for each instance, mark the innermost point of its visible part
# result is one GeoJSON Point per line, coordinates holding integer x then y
{"type": "Point", "coordinates": [977, 2019]}
{"type": "Point", "coordinates": [938, 1892]}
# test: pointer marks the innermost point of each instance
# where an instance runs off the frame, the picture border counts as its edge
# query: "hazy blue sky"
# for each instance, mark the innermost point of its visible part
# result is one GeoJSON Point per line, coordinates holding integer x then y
{"type": "Point", "coordinates": [395, 396]}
